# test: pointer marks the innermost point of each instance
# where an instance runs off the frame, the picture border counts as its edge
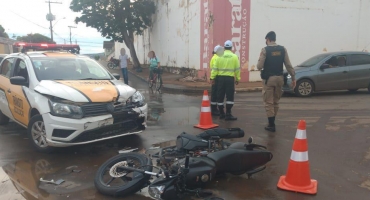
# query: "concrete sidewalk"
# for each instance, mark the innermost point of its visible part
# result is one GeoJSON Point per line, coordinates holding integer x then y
{"type": "Point", "coordinates": [173, 83]}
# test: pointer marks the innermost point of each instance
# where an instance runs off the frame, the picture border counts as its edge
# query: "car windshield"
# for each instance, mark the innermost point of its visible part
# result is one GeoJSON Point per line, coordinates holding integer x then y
{"type": "Point", "coordinates": [61, 68]}
{"type": "Point", "coordinates": [313, 61]}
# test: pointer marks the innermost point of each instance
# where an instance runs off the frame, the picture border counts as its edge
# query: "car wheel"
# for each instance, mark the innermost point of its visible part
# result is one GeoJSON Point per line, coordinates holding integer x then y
{"type": "Point", "coordinates": [4, 120]}
{"type": "Point", "coordinates": [304, 88]}
{"type": "Point", "coordinates": [37, 134]}
{"type": "Point", "coordinates": [353, 90]}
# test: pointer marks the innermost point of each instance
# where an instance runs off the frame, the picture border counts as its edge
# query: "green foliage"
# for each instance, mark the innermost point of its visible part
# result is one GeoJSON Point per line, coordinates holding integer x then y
{"type": "Point", "coordinates": [96, 57]}
{"type": "Point", "coordinates": [115, 19]}
{"type": "Point", "coordinates": [3, 33]}
{"type": "Point", "coordinates": [35, 38]}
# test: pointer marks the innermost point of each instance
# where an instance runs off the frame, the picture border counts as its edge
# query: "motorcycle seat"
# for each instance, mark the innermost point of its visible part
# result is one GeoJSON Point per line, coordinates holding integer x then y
{"type": "Point", "coordinates": [190, 142]}
{"type": "Point", "coordinates": [222, 133]}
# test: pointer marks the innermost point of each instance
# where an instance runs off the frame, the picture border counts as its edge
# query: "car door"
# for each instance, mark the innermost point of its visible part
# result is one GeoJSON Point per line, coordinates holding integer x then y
{"type": "Point", "coordinates": [5, 97]}
{"type": "Point", "coordinates": [335, 76]}
{"type": "Point", "coordinates": [359, 71]}
{"type": "Point", "coordinates": [19, 106]}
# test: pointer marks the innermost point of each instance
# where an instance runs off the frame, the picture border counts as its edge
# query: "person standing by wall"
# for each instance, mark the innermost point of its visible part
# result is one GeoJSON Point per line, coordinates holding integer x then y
{"type": "Point", "coordinates": [218, 51]}
{"type": "Point", "coordinates": [227, 70]}
{"type": "Point", "coordinates": [124, 60]}
{"type": "Point", "coordinates": [270, 63]}
{"type": "Point", "coordinates": [155, 63]}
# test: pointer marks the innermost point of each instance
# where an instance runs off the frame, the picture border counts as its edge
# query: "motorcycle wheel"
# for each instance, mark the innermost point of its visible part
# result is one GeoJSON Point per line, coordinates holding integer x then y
{"type": "Point", "coordinates": [112, 181]}
{"type": "Point", "coordinates": [110, 65]}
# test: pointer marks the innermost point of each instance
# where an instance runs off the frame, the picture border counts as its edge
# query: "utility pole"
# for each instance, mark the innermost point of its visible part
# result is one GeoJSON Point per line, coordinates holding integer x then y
{"type": "Point", "coordinates": [50, 17]}
{"type": "Point", "coordinates": [70, 33]}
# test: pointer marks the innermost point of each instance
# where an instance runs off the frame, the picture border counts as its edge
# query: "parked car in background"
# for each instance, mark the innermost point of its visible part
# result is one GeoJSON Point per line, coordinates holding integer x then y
{"type": "Point", "coordinates": [331, 71]}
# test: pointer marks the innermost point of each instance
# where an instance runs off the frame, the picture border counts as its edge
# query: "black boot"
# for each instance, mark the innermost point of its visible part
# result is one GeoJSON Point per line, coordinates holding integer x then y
{"type": "Point", "coordinates": [271, 125]}
{"type": "Point", "coordinates": [222, 112]}
{"type": "Point", "coordinates": [230, 117]}
{"type": "Point", "coordinates": [214, 110]}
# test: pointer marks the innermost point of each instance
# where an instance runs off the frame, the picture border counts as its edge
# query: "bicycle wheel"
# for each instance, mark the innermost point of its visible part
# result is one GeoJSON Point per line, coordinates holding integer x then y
{"type": "Point", "coordinates": [150, 83]}
{"type": "Point", "coordinates": [158, 83]}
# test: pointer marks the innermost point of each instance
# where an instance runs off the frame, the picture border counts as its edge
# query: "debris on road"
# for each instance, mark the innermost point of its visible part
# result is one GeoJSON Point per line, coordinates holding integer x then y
{"type": "Point", "coordinates": [127, 150]}
{"type": "Point", "coordinates": [58, 182]}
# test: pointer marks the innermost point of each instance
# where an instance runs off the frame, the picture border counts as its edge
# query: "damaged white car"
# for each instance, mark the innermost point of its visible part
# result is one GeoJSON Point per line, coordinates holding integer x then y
{"type": "Point", "coordinates": [65, 99]}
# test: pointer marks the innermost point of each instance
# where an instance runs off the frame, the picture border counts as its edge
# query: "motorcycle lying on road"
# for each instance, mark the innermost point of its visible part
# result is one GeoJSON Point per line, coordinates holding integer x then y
{"type": "Point", "coordinates": [113, 63]}
{"type": "Point", "coordinates": [128, 173]}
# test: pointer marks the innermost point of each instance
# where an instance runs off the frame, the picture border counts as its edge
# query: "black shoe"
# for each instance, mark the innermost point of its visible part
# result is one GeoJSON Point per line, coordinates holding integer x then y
{"type": "Point", "coordinates": [229, 117]}
{"type": "Point", "coordinates": [270, 128]}
{"type": "Point", "coordinates": [215, 113]}
{"type": "Point", "coordinates": [222, 116]}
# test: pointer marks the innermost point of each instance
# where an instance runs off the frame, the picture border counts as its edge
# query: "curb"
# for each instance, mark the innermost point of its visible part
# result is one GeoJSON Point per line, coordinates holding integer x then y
{"type": "Point", "coordinates": [195, 90]}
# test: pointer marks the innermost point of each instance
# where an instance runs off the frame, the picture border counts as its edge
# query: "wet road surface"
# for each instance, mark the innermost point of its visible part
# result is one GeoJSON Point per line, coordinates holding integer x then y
{"type": "Point", "coordinates": [338, 131]}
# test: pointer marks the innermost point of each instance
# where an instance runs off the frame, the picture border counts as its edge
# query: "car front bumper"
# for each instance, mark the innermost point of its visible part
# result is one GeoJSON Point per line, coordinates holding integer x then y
{"type": "Point", "coordinates": [63, 132]}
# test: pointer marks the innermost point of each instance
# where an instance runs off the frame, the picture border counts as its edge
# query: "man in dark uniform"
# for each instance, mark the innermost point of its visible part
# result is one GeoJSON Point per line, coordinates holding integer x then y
{"type": "Point", "coordinates": [271, 62]}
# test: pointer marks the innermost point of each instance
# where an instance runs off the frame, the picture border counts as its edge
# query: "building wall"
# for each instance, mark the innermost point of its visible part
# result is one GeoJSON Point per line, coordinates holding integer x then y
{"type": "Point", "coordinates": [174, 35]}
{"type": "Point", "coordinates": [307, 28]}
{"type": "Point", "coordinates": [184, 32]}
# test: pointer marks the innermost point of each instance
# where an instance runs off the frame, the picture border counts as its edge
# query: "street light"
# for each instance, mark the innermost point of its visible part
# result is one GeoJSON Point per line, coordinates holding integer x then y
{"type": "Point", "coordinates": [70, 33]}
{"type": "Point", "coordinates": [58, 21]}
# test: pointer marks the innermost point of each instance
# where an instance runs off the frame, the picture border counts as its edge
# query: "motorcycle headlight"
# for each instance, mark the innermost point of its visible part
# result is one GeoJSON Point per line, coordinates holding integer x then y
{"type": "Point", "coordinates": [289, 76]}
{"type": "Point", "coordinates": [136, 98]}
{"type": "Point", "coordinates": [65, 110]}
{"type": "Point", "coordinates": [156, 191]}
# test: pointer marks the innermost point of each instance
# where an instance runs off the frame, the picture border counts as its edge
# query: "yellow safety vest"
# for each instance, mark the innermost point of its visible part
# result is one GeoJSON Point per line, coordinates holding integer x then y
{"type": "Point", "coordinates": [227, 65]}
{"type": "Point", "coordinates": [213, 60]}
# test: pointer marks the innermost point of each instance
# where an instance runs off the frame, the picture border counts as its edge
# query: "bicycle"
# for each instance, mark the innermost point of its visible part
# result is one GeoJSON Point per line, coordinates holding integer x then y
{"type": "Point", "coordinates": [157, 79]}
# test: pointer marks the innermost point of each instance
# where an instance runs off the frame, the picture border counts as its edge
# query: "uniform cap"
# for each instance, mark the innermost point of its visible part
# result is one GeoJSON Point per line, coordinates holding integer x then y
{"type": "Point", "coordinates": [228, 43]}
{"type": "Point", "coordinates": [217, 47]}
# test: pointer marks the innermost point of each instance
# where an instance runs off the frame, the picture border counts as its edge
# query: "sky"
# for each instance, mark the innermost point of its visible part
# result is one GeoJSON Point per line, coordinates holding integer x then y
{"type": "Point", "coordinates": [20, 17]}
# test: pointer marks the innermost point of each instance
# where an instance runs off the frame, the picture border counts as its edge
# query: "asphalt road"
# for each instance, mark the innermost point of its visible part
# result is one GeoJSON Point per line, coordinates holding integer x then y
{"type": "Point", "coordinates": [338, 131]}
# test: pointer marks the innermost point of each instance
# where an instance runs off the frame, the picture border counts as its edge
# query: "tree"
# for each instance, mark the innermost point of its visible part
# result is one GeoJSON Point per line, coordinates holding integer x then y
{"type": "Point", "coordinates": [118, 20]}
{"type": "Point", "coordinates": [3, 33]}
{"type": "Point", "coordinates": [35, 38]}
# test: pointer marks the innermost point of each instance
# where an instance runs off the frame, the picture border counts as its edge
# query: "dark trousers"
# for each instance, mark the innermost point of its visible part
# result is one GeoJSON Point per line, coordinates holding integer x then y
{"type": "Point", "coordinates": [125, 75]}
{"type": "Point", "coordinates": [214, 97]}
{"type": "Point", "coordinates": [225, 86]}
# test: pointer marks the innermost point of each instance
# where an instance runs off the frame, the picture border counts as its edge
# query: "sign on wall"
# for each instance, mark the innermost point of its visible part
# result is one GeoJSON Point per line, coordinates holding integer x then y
{"type": "Point", "coordinates": [225, 20]}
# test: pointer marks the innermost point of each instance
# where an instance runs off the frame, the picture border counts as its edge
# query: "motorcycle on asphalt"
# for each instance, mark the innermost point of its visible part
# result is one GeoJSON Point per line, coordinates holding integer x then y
{"type": "Point", "coordinates": [128, 173]}
{"type": "Point", "coordinates": [113, 63]}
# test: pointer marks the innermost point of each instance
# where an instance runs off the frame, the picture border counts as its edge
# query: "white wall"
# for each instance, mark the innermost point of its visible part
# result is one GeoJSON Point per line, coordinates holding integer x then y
{"type": "Point", "coordinates": [174, 36]}
{"type": "Point", "coordinates": [307, 28]}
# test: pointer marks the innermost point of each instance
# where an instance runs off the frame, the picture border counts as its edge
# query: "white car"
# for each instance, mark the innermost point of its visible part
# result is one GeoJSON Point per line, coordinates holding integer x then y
{"type": "Point", "coordinates": [65, 99]}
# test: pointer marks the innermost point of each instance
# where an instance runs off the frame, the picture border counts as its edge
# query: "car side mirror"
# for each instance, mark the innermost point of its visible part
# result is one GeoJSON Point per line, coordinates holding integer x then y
{"type": "Point", "coordinates": [117, 76]}
{"type": "Point", "coordinates": [18, 80]}
{"type": "Point", "coordinates": [324, 66]}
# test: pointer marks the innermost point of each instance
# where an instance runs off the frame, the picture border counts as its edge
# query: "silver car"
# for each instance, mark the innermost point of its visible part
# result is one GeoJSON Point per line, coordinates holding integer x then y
{"type": "Point", "coordinates": [331, 71]}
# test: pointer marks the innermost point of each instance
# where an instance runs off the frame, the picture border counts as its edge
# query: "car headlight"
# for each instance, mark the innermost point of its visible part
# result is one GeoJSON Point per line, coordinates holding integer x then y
{"type": "Point", "coordinates": [156, 191]}
{"type": "Point", "coordinates": [136, 98]}
{"type": "Point", "coordinates": [65, 110]}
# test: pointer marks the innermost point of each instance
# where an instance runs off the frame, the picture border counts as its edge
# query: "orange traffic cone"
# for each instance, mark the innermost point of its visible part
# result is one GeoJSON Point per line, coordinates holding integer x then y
{"type": "Point", "coordinates": [205, 120]}
{"type": "Point", "coordinates": [297, 178]}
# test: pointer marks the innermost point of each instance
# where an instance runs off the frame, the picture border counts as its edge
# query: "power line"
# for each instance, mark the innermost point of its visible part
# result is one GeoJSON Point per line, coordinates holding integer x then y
{"type": "Point", "coordinates": [28, 20]}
